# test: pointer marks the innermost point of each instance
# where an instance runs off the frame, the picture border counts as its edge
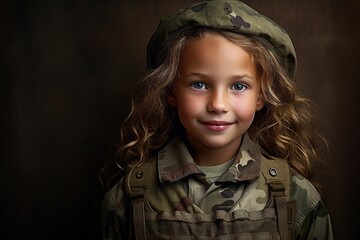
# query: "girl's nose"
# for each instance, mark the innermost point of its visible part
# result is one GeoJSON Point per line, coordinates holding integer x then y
{"type": "Point", "coordinates": [218, 102]}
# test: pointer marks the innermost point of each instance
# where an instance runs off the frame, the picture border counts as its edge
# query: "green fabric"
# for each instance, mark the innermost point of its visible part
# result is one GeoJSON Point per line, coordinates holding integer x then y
{"type": "Point", "coordinates": [213, 172]}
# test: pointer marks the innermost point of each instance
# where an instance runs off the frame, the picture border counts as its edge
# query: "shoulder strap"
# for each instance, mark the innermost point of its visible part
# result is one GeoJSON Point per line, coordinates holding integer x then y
{"type": "Point", "coordinates": [277, 171]}
{"type": "Point", "coordinates": [277, 175]}
{"type": "Point", "coordinates": [140, 178]}
{"type": "Point", "coordinates": [138, 181]}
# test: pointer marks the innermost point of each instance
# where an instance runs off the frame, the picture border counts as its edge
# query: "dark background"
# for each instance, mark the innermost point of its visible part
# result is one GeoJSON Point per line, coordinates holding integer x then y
{"type": "Point", "coordinates": [67, 69]}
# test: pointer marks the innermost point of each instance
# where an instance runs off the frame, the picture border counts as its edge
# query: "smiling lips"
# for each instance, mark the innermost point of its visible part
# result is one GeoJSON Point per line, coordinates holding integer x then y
{"type": "Point", "coordinates": [217, 126]}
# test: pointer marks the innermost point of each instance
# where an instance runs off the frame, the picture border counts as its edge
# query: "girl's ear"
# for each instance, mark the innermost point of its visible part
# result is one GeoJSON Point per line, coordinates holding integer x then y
{"type": "Point", "coordinates": [261, 102]}
{"type": "Point", "coordinates": [171, 99]}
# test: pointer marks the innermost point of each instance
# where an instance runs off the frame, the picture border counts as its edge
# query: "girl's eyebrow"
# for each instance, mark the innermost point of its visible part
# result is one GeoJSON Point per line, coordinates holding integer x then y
{"type": "Point", "coordinates": [197, 74]}
{"type": "Point", "coordinates": [204, 75]}
{"type": "Point", "coordinates": [242, 76]}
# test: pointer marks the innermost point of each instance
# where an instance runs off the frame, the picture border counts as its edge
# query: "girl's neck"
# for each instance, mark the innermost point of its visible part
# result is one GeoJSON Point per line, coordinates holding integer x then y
{"type": "Point", "coordinates": [207, 156]}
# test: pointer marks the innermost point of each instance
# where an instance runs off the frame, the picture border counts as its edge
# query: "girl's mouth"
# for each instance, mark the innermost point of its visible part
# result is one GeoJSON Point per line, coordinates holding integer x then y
{"type": "Point", "coordinates": [217, 126]}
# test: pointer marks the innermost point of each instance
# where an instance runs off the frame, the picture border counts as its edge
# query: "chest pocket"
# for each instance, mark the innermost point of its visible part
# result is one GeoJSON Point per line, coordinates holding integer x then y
{"type": "Point", "coordinates": [166, 213]}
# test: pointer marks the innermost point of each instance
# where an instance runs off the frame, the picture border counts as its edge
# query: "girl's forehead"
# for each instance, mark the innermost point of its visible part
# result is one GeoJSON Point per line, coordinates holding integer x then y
{"type": "Point", "coordinates": [216, 56]}
{"type": "Point", "coordinates": [212, 43]}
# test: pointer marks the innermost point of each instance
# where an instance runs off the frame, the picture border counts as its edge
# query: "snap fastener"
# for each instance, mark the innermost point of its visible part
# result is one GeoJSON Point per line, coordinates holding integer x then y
{"type": "Point", "coordinates": [139, 174]}
{"type": "Point", "coordinates": [227, 9]}
{"type": "Point", "coordinates": [273, 172]}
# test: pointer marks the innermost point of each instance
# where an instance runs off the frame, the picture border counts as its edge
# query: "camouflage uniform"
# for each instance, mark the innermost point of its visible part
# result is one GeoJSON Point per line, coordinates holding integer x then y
{"type": "Point", "coordinates": [235, 206]}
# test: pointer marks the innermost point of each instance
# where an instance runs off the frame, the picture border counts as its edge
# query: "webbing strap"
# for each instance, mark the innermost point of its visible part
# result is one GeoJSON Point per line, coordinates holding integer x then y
{"type": "Point", "coordinates": [139, 218]}
{"type": "Point", "coordinates": [138, 181]}
{"type": "Point", "coordinates": [278, 192]}
{"type": "Point", "coordinates": [282, 216]}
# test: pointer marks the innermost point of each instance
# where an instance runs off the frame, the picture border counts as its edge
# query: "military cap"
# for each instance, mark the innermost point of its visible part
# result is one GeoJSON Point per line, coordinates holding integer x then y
{"type": "Point", "coordinates": [229, 15]}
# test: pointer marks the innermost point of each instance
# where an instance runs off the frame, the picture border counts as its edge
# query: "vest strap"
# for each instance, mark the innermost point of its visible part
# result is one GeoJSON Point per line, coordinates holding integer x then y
{"type": "Point", "coordinates": [137, 186]}
{"type": "Point", "coordinates": [139, 218]}
{"type": "Point", "coordinates": [277, 190]}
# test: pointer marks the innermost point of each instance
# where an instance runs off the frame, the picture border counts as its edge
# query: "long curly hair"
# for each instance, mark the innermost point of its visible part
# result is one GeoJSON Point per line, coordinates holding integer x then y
{"type": "Point", "coordinates": [283, 128]}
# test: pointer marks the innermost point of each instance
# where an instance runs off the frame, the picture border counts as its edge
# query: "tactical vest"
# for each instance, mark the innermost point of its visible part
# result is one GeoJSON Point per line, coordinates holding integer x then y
{"type": "Point", "coordinates": [154, 218]}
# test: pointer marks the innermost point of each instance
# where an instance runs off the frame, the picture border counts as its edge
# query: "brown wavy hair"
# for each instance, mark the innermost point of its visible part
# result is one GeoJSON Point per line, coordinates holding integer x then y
{"type": "Point", "coordinates": [283, 128]}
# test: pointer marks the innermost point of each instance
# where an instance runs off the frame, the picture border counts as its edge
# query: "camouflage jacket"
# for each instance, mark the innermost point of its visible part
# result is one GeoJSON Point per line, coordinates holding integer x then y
{"type": "Point", "coordinates": [241, 192]}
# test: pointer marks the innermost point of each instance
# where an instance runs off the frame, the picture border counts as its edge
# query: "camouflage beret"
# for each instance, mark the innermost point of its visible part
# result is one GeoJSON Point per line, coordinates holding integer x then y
{"type": "Point", "coordinates": [229, 15]}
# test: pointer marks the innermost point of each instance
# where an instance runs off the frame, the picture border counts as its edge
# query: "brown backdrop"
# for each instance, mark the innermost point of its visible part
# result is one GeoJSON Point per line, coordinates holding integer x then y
{"type": "Point", "coordinates": [67, 69]}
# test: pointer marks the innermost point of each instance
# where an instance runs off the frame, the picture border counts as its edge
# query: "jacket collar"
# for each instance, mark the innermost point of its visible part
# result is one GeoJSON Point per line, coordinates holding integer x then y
{"type": "Point", "coordinates": [175, 162]}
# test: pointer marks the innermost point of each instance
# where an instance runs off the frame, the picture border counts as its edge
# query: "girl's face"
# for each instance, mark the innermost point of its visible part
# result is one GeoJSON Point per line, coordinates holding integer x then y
{"type": "Point", "coordinates": [217, 93]}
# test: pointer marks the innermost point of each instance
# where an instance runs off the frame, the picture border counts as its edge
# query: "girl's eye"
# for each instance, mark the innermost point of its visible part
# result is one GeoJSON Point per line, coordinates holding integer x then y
{"type": "Point", "coordinates": [198, 85]}
{"type": "Point", "coordinates": [239, 87]}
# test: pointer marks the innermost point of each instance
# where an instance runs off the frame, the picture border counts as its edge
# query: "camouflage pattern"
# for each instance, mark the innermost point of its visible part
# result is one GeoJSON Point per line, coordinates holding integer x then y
{"type": "Point", "coordinates": [229, 15]}
{"type": "Point", "coordinates": [239, 200]}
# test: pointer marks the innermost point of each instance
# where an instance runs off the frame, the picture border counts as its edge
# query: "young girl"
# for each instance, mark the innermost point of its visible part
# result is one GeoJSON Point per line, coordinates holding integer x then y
{"type": "Point", "coordinates": [217, 144]}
